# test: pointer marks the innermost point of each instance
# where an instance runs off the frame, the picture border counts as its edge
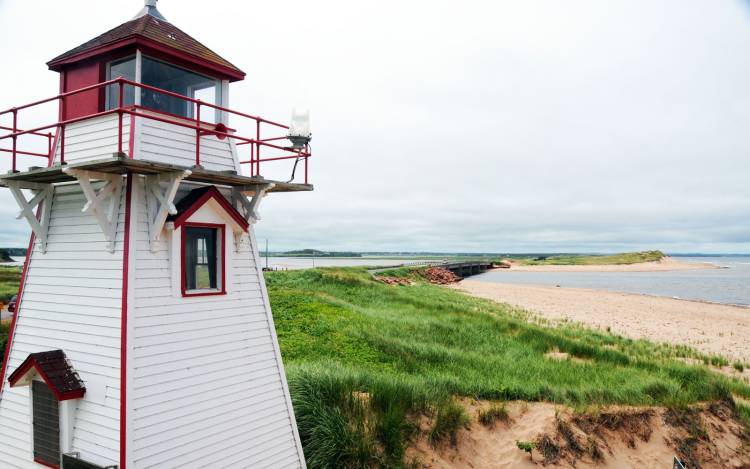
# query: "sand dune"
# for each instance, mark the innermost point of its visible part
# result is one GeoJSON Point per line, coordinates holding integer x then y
{"type": "Point", "coordinates": [710, 328]}
{"type": "Point", "coordinates": [644, 439]}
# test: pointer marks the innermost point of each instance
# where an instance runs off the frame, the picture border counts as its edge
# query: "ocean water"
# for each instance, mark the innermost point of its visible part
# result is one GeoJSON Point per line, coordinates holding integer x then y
{"type": "Point", "coordinates": [17, 261]}
{"type": "Point", "coordinates": [290, 263]}
{"type": "Point", "coordinates": [729, 285]}
{"type": "Point", "coordinates": [293, 263]}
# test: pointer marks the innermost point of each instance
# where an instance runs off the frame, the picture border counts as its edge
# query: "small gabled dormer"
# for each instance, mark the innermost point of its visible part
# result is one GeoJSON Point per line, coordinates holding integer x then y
{"type": "Point", "coordinates": [54, 386]}
{"type": "Point", "coordinates": [205, 230]}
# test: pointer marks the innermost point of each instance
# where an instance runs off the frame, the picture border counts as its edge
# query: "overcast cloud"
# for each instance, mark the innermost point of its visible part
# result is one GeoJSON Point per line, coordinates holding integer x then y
{"type": "Point", "coordinates": [468, 126]}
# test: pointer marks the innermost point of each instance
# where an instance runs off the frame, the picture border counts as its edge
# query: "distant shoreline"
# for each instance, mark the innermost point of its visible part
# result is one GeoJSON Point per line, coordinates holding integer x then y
{"type": "Point", "coordinates": [666, 264]}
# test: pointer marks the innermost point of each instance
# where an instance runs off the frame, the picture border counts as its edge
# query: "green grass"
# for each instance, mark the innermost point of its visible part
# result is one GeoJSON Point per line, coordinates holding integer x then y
{"type": "Point", "coordinates": [743, 410]}
{"type": "Point", "coordinates": [365, 359]}
{"type": "Point", "coordinates": [614, 259]}
{"type": "Point", "coordinates": [9, 278]}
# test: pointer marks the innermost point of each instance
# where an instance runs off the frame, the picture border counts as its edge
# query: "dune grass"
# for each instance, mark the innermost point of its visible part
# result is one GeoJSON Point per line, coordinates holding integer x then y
{"type": "Point", "coordinates": [613, 259]}
{"type": "Point", "coordinates": [9, 278]}
{"type": "Point", "coordinates": [365, 359]}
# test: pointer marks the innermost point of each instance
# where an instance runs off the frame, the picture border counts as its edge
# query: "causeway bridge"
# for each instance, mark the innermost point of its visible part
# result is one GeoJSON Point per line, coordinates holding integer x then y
{"type": "Point", "coordinates": [467, 269]}
{"type": "Point", "coordinates": [462, 269]}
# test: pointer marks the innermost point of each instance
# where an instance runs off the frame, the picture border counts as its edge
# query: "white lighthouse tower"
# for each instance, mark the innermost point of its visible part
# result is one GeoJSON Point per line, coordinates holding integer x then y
{"type": "Point", "coordinates": [143, 336]}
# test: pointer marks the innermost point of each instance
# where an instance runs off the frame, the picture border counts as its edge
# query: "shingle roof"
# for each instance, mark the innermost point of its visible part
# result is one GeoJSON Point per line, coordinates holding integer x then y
{"type": "Point", "coordinates": [55, 369]}
{"type": "Point", "coordinates": [154, 29]}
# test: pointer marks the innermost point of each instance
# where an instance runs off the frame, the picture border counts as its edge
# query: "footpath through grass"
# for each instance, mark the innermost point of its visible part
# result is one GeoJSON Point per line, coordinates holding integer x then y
{"type": "Point", "coordinates": [613, 259]}
{"type": "Point", "coordinates": [364, 358]}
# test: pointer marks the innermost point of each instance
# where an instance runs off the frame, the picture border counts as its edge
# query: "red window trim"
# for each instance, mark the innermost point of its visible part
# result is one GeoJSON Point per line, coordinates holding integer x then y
{"type": "Point", "coordinates": [222, 236]}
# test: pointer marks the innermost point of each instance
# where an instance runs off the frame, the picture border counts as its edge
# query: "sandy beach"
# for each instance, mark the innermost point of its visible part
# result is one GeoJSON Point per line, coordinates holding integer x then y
{"type": "Point", "coordinates": [666, 264]}
{"type": "Point", "coordinates": [710, 328]}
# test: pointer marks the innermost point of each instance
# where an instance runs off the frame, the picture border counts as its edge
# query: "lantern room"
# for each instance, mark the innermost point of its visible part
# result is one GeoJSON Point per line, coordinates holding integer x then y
{"type": "Point", "coordinates": [149, 50]}
{"type": "Point", "coordinates": [125, 90]}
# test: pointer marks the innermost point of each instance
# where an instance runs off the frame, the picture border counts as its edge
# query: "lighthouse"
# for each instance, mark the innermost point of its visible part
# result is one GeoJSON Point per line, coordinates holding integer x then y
{"type": "Point", "coordinates": [143, 336]}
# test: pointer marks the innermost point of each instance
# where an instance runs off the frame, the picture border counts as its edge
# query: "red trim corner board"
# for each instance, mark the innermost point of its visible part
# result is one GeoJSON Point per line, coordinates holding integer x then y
{"type": "Point", "coordinates": [124, 324]}
{"type": "Point", "coordinates": [222, 238]}
{"type": "Point", "coordinates": [131, 140]}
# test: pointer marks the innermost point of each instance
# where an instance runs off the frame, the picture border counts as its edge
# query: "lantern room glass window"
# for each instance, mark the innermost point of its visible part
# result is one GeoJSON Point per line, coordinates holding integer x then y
{"type": "Point", "coordinates": [122, 68]}
{"type": "Point", "coordinates": [167, 77]}
{"type": "Point", "coordinates": [202, 261]}
{"type": "Point", "coordinates": [178, 80]}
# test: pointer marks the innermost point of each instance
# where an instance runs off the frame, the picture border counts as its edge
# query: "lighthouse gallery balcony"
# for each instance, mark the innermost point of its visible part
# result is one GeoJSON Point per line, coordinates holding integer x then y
{"type": "Point", "coordinates": [165, 133]}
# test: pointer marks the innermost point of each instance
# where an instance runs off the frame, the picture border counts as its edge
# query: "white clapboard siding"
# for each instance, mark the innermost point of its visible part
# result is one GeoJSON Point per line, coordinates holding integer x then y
{"type": "Point", "coordinates": [173, 144]}
{"type": "Point", "coordinates": [98, 137]}
{"type": "Point", "coordinates": [207, 388]}
{"type": "Point", "coordinates": [94, 139]}
{"type": "Point", "coordinates": [71, 301]}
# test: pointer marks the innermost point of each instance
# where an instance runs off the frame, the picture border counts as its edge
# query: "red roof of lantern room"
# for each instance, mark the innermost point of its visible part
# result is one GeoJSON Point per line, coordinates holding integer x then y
{"type": "Point", "coordinates": [157, 33]}
{"type": "Point", "coordinates": [55, 370]}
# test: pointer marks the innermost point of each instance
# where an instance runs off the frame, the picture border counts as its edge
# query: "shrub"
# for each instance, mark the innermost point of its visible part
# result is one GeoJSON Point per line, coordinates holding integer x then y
{"type": "Point", "coordinates": [592, 448]}
{"type": "Point", "coordinates": [451, 417]}
{"type": "Point", "coordinates": [564, 429]}
{"type": "Point", "coordinates": [527, 446]}
{"type": "Point", "coordinates": [549, 450]}
{"type": "Point", "coordinates": [719, 361]}
{"type": "Point", "coordinates": [743, 413]}
{"type": "Point", "coordinates": [490, 416]}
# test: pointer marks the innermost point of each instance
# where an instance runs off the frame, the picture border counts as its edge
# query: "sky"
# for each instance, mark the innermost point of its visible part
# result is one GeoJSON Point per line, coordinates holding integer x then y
{"type": "Point", "coordinates": [474, 126]}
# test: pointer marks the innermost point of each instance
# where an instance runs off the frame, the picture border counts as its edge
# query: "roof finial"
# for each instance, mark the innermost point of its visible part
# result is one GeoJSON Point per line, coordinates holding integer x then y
{"type": "Point", "coordinates": [149, 8]}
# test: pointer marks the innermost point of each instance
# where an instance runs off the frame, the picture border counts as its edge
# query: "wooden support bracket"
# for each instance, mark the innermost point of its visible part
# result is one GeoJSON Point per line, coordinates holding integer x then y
{"type": "Point", "coordinates": [248, 208]}
{"type": "Point", "coordinates": [160, 202]}
{"type": "Point", "coordinates": [104, 202]}
{"type": "Point", "coordinates": [42, 195]}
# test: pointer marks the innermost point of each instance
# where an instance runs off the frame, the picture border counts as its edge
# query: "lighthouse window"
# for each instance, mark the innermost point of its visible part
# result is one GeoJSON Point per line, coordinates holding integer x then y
{"type": "Point", "coordinates": [178, 80]}
{"type": "Point", "coordinates": [126, 69]}
{"type": "Point", "coordinates": [46, 424]}
{"type": "Point", "coordinates": [202, 261]}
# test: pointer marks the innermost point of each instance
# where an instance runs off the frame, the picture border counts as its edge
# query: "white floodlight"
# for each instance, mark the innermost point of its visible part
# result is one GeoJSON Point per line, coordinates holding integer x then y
{"type": "Point", "coordinates": [299, 129]}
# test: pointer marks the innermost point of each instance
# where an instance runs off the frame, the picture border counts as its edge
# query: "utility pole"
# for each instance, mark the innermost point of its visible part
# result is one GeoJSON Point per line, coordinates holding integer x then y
{"type": "Point", "coordinates": [266, 253]}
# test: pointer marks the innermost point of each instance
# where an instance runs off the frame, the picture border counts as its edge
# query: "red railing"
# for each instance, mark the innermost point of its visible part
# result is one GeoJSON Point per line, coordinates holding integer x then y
{"type": "Point", "coordinates": [201, 128]}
